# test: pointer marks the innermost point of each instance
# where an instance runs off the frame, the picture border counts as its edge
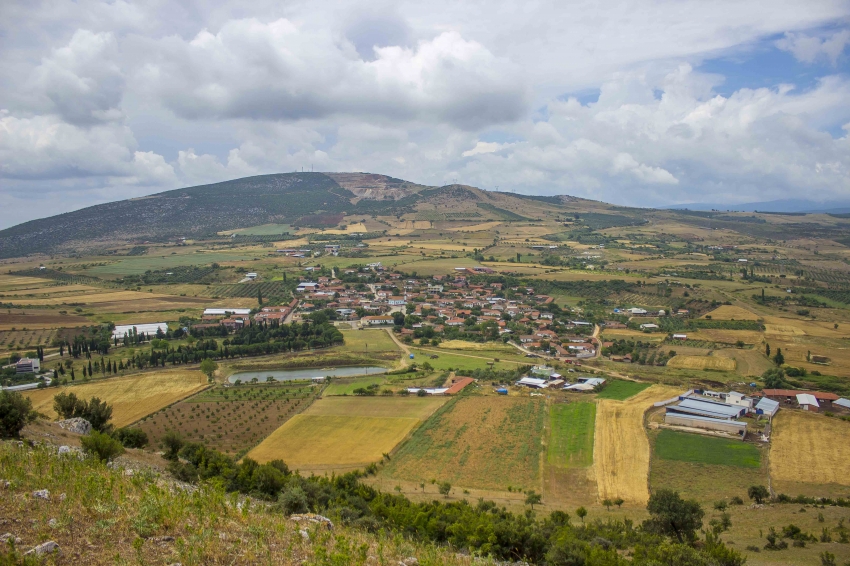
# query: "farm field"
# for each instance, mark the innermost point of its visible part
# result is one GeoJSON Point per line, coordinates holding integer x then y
{"type": "Point", "coordinates": [468, 360]}
{"type": "Point", "coordinates": [476, 442]}
{"type": "Point", "coordinates": [621, 390]}
{"type": "Point", "coordinates": [686, 447]}
{"type": "Point", "coordinates": [39, 319]}
{"type": "Point", "coordinates": [368, 341]}
{"type": "Point", "coordinates": [571, 435]}
{"type": "Point", "coordinates": [342, 433]}
{"type": "Point", "coordinates": [731, 312]}
{"type": "Point", "coordinates": [636, 335]}
{"type": "Point", "coordinates": [230, 419]}
{"type": "Point", "coordinates": [347, 386]}
{"type": "Point", "coordinates": [132, 397]}
{"type": "Point", "coordinates": [706, 483]}
{"type": "Point", "coordinates": [727, 336]}
{"type": "Point", "coordinates": [749, 363]}
{"type": "Point", "coordinates": [822, 439]}
{"type": "Point", "coordinates": [703, 362]}
{"type": "Point", "coordinates": [621, 450]}
{"type": "Point", "coordinates": [137, 265]}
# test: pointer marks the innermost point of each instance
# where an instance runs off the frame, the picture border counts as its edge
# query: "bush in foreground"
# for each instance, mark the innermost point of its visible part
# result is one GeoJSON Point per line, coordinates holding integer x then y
{"type": "Point", "coordinates": [102, 446]}
{"type": "Point", "coordinates": [15, 413]}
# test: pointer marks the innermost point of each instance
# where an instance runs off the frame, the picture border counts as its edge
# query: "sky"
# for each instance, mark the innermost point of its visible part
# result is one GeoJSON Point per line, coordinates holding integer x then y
{"type": "Point", "coordinates": [649, 103]}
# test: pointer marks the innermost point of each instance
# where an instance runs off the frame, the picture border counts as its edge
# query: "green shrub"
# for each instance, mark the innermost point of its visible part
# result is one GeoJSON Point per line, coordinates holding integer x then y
{"type": "Point", "coordinates": [132, 437]}
{"type": "Point", "coordinates": [102, 446]}
{"type": "Point", "coordinates": [15, 413]}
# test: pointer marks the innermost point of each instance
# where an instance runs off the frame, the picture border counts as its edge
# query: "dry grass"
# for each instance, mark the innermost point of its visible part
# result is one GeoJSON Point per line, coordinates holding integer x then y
{"type": "Point", "coordinates": [731, 312]}
{"type": "Point", "coordinates": [727, 336]}
{"type": "Point", "coordinates": [132, 397]}
{"type": "Point", "coordinates": [315, 442]}
{"type": "Point", "coordinates": [810, 448]}
{"type": "Point", "coordinates": [621, 449]}
{"type": "Point", "coordinates": [338, 433]}
{"type": "Point", "coordinates": [750, 363]}
{"type": "Point", "coordinates": [703, 362]}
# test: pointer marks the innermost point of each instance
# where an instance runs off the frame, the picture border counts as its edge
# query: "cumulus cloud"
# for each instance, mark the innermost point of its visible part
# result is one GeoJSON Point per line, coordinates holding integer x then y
{"type": "Point", "coordinates": [811, 48]}
{"type": "Point", "coordinates": [280, 71]}
{"type": "Point", "coordinates": [82, 81]}
{"type": "Point", "coordinates": [110, 99]}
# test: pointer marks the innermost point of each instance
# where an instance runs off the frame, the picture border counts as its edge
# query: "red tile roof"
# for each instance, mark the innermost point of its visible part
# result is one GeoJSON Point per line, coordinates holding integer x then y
{"type": "Point", "coordinates": [459, 385]}
{"type": "Point", "coordinates": [793, 393]}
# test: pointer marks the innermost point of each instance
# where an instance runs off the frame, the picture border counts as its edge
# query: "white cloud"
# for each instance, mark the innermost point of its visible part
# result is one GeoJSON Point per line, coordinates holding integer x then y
{"type": "Point", "coordinates": [811, 48]}
{"type": "Point", "coordinates": [109, 99]}
{"type": "Point", "coordinates": [485, 147]}
{"type": "Point", "coordinates": [280, 71]}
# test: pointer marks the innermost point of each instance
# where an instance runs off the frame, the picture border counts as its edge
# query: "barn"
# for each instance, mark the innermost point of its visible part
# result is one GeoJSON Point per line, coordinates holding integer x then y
{"type": "Point", "coordinates": [706, 423]}
{"type": "Point", "coordinates": [808, 402]}
{"type": "Point", "coordinates": [767, 407]}
{"type": "Point", "coordinates": [706, 408]}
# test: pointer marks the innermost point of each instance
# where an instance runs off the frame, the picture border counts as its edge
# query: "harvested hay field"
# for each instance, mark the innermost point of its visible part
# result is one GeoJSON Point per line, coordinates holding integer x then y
{"type": "Point", "coordinates": [727, 336]}
{"type": "Point", "coordinates": [821, 439]}
{"type": "Point", "coordinates": [476, 442]}
{"type": "Point", "coordinates": [132, 397]}
{"type": "Point", "coordinates": [621, 449]}
{"type": "Point", "coordinates": [340, 433]}
{"type": "Point", "coordinates": [731, 312]}
{"type": "Point", "coordinates": [313, 442]}
{"type": "Point", "coordinates": [703, 362]}
{"type": "Point", "coordinates": [750, 363]}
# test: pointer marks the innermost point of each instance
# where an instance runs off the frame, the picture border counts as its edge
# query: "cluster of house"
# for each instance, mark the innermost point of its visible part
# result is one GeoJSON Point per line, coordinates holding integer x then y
{"type": "Point", "coordinates": [448, 301]}
{"type": "Point", "coordinates": [720, 412]}
{"type": "Point", "coordinates": [545, 377]}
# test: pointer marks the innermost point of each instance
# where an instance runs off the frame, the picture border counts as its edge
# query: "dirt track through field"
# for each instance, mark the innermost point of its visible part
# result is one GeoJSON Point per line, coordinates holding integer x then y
{"type": "Point", "coordinates": [810, 448]}
{"type": "Point", "coordinates": [621, 448]}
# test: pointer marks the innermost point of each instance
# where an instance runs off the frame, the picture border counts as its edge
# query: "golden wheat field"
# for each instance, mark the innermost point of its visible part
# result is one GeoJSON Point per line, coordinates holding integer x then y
{"type": "Point", "coordinates": [621, 448]}
{"type": "Point", "coordinates": [810, 448]}
{"type": "Point", "coordinates": [345, 432]}
{"type": "Point", "coordinates": [132, 397]}
{"type": "Point", "coordinates": [731, 312]}
{"type": "Point", "coordinates": [703, 362]}
{"type": "Point", "coordinates": [727, 336]}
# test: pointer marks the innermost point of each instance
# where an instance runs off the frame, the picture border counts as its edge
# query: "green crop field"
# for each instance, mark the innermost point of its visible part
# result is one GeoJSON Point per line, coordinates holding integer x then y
{"type": "Point", "coordinates": [571, 441]}
{"type": "Point", "coordinates": [686, 447]}
{"type": "Point", "coordinates": [483, 442]}
{"type": "Point", "coordinates": [621, 390]}
{"type": "Point", "coordinates": [466, 361]}
{"type": "Point", "coordinates": [263, 230]}
{"type": "Point", "coordinates": [137, 265]}
{"type": "Point", "coordinates": [347, 386]}
{"type": "Point", "coordinates": [368, 341]}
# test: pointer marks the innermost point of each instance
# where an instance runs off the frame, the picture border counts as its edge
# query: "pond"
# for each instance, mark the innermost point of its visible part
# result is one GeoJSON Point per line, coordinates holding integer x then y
{"type": "Point", "coordinates": [309, 373]}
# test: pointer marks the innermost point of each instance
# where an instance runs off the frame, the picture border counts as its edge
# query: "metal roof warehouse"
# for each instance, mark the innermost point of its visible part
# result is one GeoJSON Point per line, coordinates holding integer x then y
{"type": "Point", "coordinates": [709, 409]}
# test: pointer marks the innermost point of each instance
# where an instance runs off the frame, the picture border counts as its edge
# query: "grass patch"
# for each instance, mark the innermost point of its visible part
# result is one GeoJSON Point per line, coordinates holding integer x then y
{"type": "Point", "coordinates": [620, 390]}
{"type": "Point", "coordinates": [571, 442]}
{"type": "Point", "coordinates": [684, 447]}
{"type": "Point", "coordinates": [484, 442]}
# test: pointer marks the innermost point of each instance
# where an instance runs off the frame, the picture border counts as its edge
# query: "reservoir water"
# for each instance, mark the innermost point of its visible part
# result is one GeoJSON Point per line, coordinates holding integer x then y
{"type": "Point", "coordinates": [309, 373]}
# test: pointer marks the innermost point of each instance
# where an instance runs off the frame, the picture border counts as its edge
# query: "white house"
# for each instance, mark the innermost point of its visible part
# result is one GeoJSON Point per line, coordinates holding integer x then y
{"type": "Point", "coordinates": [305, 286]}
{"type": "Point", "coordinates": [28, 365]}
{"type": "Point", "coordinates": [739, 400]}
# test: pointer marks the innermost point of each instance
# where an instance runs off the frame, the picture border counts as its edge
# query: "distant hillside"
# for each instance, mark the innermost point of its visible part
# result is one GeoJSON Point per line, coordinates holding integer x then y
{"type": "Point", "coordinates": [301, 199]}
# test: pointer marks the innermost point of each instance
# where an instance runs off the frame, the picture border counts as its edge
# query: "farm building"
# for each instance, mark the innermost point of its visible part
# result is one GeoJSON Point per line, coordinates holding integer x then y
{"type": "Point", "coordinates": [533, 382]}
{"type": "Point", "coordinates": [585, 384]}
{"type": "Point", "coordinates": [767, 407]}
{"type": "Point", "coordinates": [459, 384]}
{"type": "Point", "coordinates": [807, 402]}
{"type": "Point", "coordinates": [27, 365]}
{"type": "Point", "coordinates": [376, 320]}
{"type": "Point", "coordinates": [428, 390]}
{"type": "Point", "coordinates": [789, 396]}
{"type": "Point", "coordinates": [648, 326]}
{"type": "Point", "coordinates": [706, 423]}
{"type": "Point", "coordinates": [843, 405]}
{"type": "Point", "coordinates": [225, 312]}
{"type": "Point", "coordinates": [148, 329]}
{"type": "Point", "coordinates": [706, 408]}
{"type": "Point", "coordinates": [680, 337]}
{"type": "Point", "coordinates": [739, 400]}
